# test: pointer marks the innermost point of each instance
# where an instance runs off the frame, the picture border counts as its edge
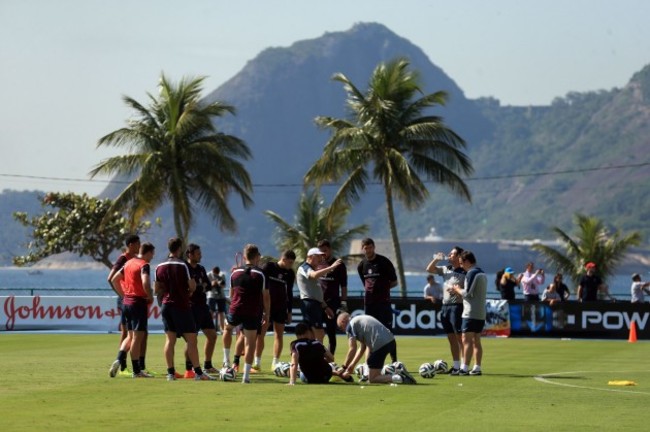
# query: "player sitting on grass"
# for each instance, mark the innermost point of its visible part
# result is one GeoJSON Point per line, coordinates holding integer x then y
{"type": "Point", "coordinates": [313, 358]}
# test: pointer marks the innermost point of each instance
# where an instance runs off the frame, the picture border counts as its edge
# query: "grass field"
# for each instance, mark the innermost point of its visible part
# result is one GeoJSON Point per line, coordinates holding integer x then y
{"type": "Point", "coordinates": [60, 382]}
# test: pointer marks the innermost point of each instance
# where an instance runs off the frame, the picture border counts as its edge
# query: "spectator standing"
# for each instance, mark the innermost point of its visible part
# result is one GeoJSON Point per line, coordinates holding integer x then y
{"type": "Point", "coordinates": [639, 288]}
{"type": "Point", "coordinates": [507, 284]}
{"type": "Point", "coordinates": [590, 284]}
{"type": "Point", "coordinates": [432, 290]}
{"type": "Point", "coordinates": [560, 287]}
{"type": "Point", "coordinates": [530, 281]}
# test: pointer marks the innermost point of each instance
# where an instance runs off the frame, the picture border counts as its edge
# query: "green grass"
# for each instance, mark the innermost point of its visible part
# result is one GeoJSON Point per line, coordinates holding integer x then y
{"type": "Point", "coordinates": [60, 382]}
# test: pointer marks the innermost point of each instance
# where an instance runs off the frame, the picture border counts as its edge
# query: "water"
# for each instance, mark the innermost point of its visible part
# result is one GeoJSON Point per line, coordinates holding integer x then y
{"type": "Point", "coordinates": [17, 281]}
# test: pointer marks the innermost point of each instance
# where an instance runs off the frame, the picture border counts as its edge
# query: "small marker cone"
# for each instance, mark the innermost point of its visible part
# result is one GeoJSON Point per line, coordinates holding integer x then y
{"type": "Point", "coordinates": [632, 338]}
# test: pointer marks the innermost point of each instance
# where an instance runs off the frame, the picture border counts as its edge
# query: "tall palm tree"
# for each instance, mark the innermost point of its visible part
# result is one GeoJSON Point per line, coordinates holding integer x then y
{"type": "Point", "coordinates": [391, 140]}
{"type": "Point", "coordinates": [592, 242]}
{"type": "Point", "coordinates": [314, 221]}
{"type": "Point", "coordinates": [175, 153]}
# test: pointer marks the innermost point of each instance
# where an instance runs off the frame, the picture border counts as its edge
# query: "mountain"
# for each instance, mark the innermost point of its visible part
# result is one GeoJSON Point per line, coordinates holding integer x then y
{"type": "Point", "coordinates": [535, 166]}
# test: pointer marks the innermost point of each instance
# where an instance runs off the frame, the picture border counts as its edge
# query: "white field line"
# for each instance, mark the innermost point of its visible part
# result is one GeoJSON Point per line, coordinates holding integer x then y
{"type": "Point", "coordinates": [545, 378]}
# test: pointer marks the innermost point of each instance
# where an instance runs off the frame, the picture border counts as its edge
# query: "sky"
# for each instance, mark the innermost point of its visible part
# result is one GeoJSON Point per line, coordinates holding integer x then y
{"type": "Point", "coordinates": [65, 64]}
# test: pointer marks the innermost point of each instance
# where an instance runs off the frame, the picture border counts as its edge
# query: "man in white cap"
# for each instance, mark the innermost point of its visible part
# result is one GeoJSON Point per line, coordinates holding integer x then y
{"type": "Point", "coordinates": [312, 304]}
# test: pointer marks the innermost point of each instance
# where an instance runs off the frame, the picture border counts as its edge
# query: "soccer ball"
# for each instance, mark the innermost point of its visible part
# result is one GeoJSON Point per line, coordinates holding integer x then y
{"type": "Point", "coordinates": [389, 369]}
{"type": "Point", "coordinates": [440, 366]}
{"type": "Point", "coordinates": [362, 372]}
{"type": "Point", "coordinates": [282, 369]}
{"type": "Point", "coordinates": [427, 370]}
{"type": "Point", "coordinates": [227, 374]}
{"type": "Point", "coordinates": [399, 367]}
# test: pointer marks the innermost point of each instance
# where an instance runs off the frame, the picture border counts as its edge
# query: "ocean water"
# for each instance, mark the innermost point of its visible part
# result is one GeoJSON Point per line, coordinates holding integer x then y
{"type": "Point", "coordinates": [20, 281]}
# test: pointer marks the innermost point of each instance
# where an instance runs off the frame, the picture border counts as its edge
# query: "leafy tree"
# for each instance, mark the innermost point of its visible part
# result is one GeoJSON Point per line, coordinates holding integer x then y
{"type": "Point", "coordinates": [76, 226]}
{"type": "Point", "coordinates": [593, 242]}
{"type": "Point", "coordinates": [177, 154]}
{"type": "Point", "coordinates": [313, 222]}
{"type": "Point", "coordinates": [391, 140]}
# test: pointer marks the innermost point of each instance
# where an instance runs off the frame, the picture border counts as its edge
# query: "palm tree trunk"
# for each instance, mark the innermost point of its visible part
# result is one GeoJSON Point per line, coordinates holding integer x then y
{"type": "Point", "coordinates": [396, 247]}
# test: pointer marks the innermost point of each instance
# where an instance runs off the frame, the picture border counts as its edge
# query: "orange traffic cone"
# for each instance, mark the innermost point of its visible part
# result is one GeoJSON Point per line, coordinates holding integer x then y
{"type": "Point", "coordinates": [632, 338]}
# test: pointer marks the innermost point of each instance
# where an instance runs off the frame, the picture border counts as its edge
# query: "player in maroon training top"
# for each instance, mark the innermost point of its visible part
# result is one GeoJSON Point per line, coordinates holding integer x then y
{"type": "Point", "coordinates": [335, 291]}
{"type": "Point", "coordinates": [200, 309]}
{"type": "Point", "coordinates": [249, 306]}
{"type": "Point", "coordinates": [280, 278]}
{"type": "Point", "coordinates": [174, 283]}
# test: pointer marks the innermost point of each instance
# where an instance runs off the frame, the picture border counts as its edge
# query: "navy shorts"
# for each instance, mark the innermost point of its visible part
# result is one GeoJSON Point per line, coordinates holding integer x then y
{"type": "Point", "coordinates": [248, 323]}
{"type": "Point", "coordinates": [179, 321]}
{"type": "Point", "coordinates": [376, 358]}
{"type": "Point", "coordinates": [203, 317]}
{"type": "Point", "coordinates": [450, 317]}
{"type": "Point", "coordinates": [279, 316]}
{"type": "Point", "coordinates": [312, 312]}
{"type": "Point", "coordinates": [473, 325]}
{"type": "Point", "coordinates": [120, 306]}
{"type": "Point", "coordinates": [221, 305]}
{"type": "Point", "coordinates": [136, 316]}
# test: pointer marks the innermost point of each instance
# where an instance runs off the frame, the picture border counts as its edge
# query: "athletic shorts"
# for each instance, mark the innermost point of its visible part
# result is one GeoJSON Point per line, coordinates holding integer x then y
{"type": "Point", "coordinates": [212, 304]}
{"type": "Point", "coordinates": [312, 312]}
{"type": "Point", "coordinates": [279, 316]}
{"type": "Point", "coordinates": [473, 325]}
{"type": "Point", "coordinates": [221, 305]}
{"type": "Point", "coordinates": [248, 323]}
{"type": "Point", "coordinates": [383, 312]}
{"type": "Point", "coordinates": [120, 307]}
{"type": "Point", "coordinates": [203, 317]}
{"type": "Point", "coordinates": [376, 358]}
{"type": "Point", "coordinates": [176, 320]}
{"type": "Point", "coordinates": [136, 316]}
{"type": "Point", "coordinates": [450, 317]}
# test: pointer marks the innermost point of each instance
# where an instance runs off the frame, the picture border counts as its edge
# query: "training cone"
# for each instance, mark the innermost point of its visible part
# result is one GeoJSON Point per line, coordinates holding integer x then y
{"type": "Point", "coordinates": [632, 338]}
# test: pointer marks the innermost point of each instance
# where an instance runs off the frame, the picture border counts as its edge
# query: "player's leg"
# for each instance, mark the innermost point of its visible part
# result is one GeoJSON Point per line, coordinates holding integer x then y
{"type": "Point", "coordinates": [278, 342]}
{"type": "Point", "coordinates": [250, 339]}
{"type": "Point", "coordinates": [208, 349]}
{"type": "Point", "coordinates": [259, 346]}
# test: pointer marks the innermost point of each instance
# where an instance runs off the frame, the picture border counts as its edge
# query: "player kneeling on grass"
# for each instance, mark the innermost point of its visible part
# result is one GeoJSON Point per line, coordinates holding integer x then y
{"type": "Point", "coordinates": [372, 335]}
{"type": "Point", "coordinates": [312, 357]}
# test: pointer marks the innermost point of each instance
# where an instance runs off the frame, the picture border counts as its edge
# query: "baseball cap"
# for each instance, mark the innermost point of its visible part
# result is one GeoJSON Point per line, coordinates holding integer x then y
{"type": "Point", "coordinates": [314, 251]}
{"type": "Point", "coordinates": [509, 270]}
{"type": "Point", "coordinates": [590, 265]}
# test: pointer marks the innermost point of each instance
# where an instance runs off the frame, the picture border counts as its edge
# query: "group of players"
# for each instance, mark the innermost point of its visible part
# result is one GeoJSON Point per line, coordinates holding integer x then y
{"type": "Point", "coordinates": [261, 298]}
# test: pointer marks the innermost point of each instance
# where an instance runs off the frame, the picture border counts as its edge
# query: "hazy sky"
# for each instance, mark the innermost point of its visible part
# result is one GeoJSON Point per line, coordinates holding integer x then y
{"type": "Point", "coordinates": [66, 63]}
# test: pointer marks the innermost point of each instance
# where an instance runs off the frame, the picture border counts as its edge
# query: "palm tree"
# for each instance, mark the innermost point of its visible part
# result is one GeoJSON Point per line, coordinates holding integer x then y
{"type": "Point", "coordinates": [389, 139]}
{"type": "Point", "coordinates": [313, 222]}
{"type": "Point", "coordinates": [593, 242]}
{"type": "Point", "coordinates": [175, 153]}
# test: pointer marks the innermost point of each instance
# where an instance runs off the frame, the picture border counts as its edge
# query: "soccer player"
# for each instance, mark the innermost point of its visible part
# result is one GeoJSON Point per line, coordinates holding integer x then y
{"type": "Point", "coordinates": [174, 283]}
{"type": "Point", "coordinates": [378, 277]}
{"type": "Point", "coordinates": [132, 243]}
{"type": "Point", "coordinates": [371, 336]}
{"type": "Point", "coordinates": [452, 304]}
{"type": "Point", "coordinates": [335, 291]}
{"type": "Point", "coordinates": [249, 306]}
{"type": "Point", "coordinates": [312, 303]}
{"type": "Point", "coordinates": [312, 357]}
{"type": "Point", "coordinates": [133, 283]}
{"type": "Point", "coordinates": [202, 315]}
{"type": "Point", "coordinates": [474, 292]}
{"type": "Point", "coordinates": [280, 278]}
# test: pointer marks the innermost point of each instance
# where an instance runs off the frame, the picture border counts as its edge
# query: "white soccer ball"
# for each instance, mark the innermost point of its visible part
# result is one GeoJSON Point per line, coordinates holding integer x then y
{"type": "Point", "coordinates": [227, 374]}
{"type": "Point", "coordinates": [388, 369]}
{"type": "Point", "coordinates": [399, 367]}
{"type": "Point", "coordinates": [427, 370]}
{"type": "Point", "coordinates": [362, 372]}
{"type": "Point", "coordinates": [440, 366]}
{"type": "Point", "coordinates": [282, 369]}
